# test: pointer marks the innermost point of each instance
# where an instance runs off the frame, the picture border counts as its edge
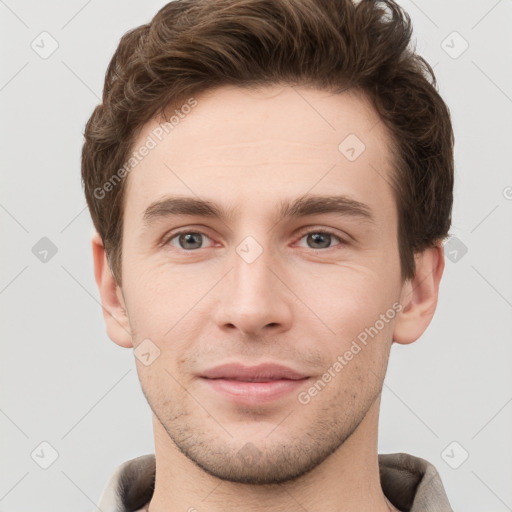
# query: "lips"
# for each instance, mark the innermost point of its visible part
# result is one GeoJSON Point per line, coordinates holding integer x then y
{"type": "Point", "coordinates": [260, 373]}
{"type": "Point", "coordinates": [252, 385]}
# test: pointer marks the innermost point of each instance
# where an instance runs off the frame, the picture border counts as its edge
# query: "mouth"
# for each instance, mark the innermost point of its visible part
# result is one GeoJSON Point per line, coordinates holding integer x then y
{"type": "Point", "coordinates": [253, 385]}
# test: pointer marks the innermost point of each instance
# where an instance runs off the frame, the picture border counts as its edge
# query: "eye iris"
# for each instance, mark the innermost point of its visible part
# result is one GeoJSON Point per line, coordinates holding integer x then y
{"type": "Point", "coordinates": [318, 237]}
{"type": "Point", "coordinates": [189, 238]}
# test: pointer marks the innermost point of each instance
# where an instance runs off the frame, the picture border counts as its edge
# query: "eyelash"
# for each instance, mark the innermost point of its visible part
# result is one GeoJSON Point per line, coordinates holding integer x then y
{"type": "Point", "coordinates": [302, 235]}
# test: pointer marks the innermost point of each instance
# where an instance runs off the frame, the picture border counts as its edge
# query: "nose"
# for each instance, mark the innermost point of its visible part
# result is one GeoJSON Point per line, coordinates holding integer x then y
{"type": "Point", "coordinates": [255, 297]}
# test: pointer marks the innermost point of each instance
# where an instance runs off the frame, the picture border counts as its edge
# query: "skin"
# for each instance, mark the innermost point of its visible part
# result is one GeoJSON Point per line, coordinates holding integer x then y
{"type": "Point", "coordinates": [299, 303]}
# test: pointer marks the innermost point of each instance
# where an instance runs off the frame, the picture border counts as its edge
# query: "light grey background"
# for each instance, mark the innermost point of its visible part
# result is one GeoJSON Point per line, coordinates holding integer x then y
{"type": "Point", "coordinates": [65, 383]}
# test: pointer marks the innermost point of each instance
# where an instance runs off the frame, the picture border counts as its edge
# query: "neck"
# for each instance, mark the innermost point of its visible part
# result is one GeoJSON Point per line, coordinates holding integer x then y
{"type": "Point", "coordinates": [347, 481]}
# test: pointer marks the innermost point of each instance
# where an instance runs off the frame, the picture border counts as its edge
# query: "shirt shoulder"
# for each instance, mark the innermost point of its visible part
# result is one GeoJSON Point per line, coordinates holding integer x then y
{"type": "Point", "coordinates": [130, 487]}
{"type": "Point", "coordinates": [412, 484]}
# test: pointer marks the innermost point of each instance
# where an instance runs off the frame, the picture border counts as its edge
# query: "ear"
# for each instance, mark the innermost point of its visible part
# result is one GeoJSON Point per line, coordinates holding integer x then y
{"type": "Point", "coordinates": [419, 296]}
{"type": "Point", "coordinates": [112, 301]}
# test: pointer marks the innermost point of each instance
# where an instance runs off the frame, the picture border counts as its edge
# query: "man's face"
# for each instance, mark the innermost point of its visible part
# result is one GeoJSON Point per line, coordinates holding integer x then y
{"type": "Point", "coordinates": [254, 288]}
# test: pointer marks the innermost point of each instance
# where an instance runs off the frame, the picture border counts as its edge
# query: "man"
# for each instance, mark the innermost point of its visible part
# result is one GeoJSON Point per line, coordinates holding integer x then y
{"type": "Point", "coordinates": [271, 183]}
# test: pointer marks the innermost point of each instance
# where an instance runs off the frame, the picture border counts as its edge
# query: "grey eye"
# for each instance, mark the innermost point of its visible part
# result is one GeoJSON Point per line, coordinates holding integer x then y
{"type": "Point", "coordinates": [322, 240]}
{"type": "Point", "coordinates": [189, 240]}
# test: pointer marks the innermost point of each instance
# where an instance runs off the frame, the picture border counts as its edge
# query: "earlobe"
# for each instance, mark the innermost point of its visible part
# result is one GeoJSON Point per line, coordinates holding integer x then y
{"type": "Point", "coordinates": [114, 310]}
{"type": "Point", "coordinates": [419, 296]}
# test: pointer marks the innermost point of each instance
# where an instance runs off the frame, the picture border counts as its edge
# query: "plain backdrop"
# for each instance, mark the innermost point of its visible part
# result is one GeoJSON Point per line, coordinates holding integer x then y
{"type": "Point", "coordinates": [71, 398]}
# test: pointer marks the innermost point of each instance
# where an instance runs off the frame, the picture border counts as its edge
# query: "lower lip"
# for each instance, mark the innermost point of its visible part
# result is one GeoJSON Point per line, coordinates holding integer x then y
{"type": "Point", "coordinates": [248, 393]}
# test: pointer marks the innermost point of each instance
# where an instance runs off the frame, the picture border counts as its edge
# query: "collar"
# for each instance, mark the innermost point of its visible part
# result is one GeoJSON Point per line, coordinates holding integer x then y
{"type": "Point", "coordinates": [411, 483]}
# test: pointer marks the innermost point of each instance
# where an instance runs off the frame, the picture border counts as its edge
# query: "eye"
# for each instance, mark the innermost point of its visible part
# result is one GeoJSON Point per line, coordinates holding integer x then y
{"type": "Point", "coordinates": [187, 240]}
{"type": "Point", "coordinates": [321, 239]}
{"type": "Point", "coordinates": [193, 240]}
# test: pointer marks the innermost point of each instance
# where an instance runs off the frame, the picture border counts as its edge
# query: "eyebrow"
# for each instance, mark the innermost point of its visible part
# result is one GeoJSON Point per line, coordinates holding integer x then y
{"type": "Point", "coordinates": [303, 206]}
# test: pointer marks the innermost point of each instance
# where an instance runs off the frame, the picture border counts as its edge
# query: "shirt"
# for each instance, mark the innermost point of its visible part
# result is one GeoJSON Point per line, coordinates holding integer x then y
{"type": "Point", "coordinates": [410, 483]}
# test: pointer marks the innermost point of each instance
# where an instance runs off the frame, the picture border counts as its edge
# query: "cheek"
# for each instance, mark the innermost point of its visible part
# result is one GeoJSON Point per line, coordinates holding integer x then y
{"type": "Point", "coordinates": [349, 298]}
{"type": "Point", "coordinates": [159, 297]}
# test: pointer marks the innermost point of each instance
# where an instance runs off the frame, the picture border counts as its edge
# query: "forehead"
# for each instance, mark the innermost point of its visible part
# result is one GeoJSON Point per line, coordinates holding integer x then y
{"type": "Point", "coordinates": [256, 147]}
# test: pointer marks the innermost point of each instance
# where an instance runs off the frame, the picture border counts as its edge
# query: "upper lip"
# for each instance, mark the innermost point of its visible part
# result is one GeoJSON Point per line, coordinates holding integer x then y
{"type": "Point", "coordinates": [258, 373]}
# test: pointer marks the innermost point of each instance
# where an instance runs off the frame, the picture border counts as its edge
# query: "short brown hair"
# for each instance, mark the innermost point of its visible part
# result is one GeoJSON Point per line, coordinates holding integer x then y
{"type": "Point", "coordinates": [191, 46]}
